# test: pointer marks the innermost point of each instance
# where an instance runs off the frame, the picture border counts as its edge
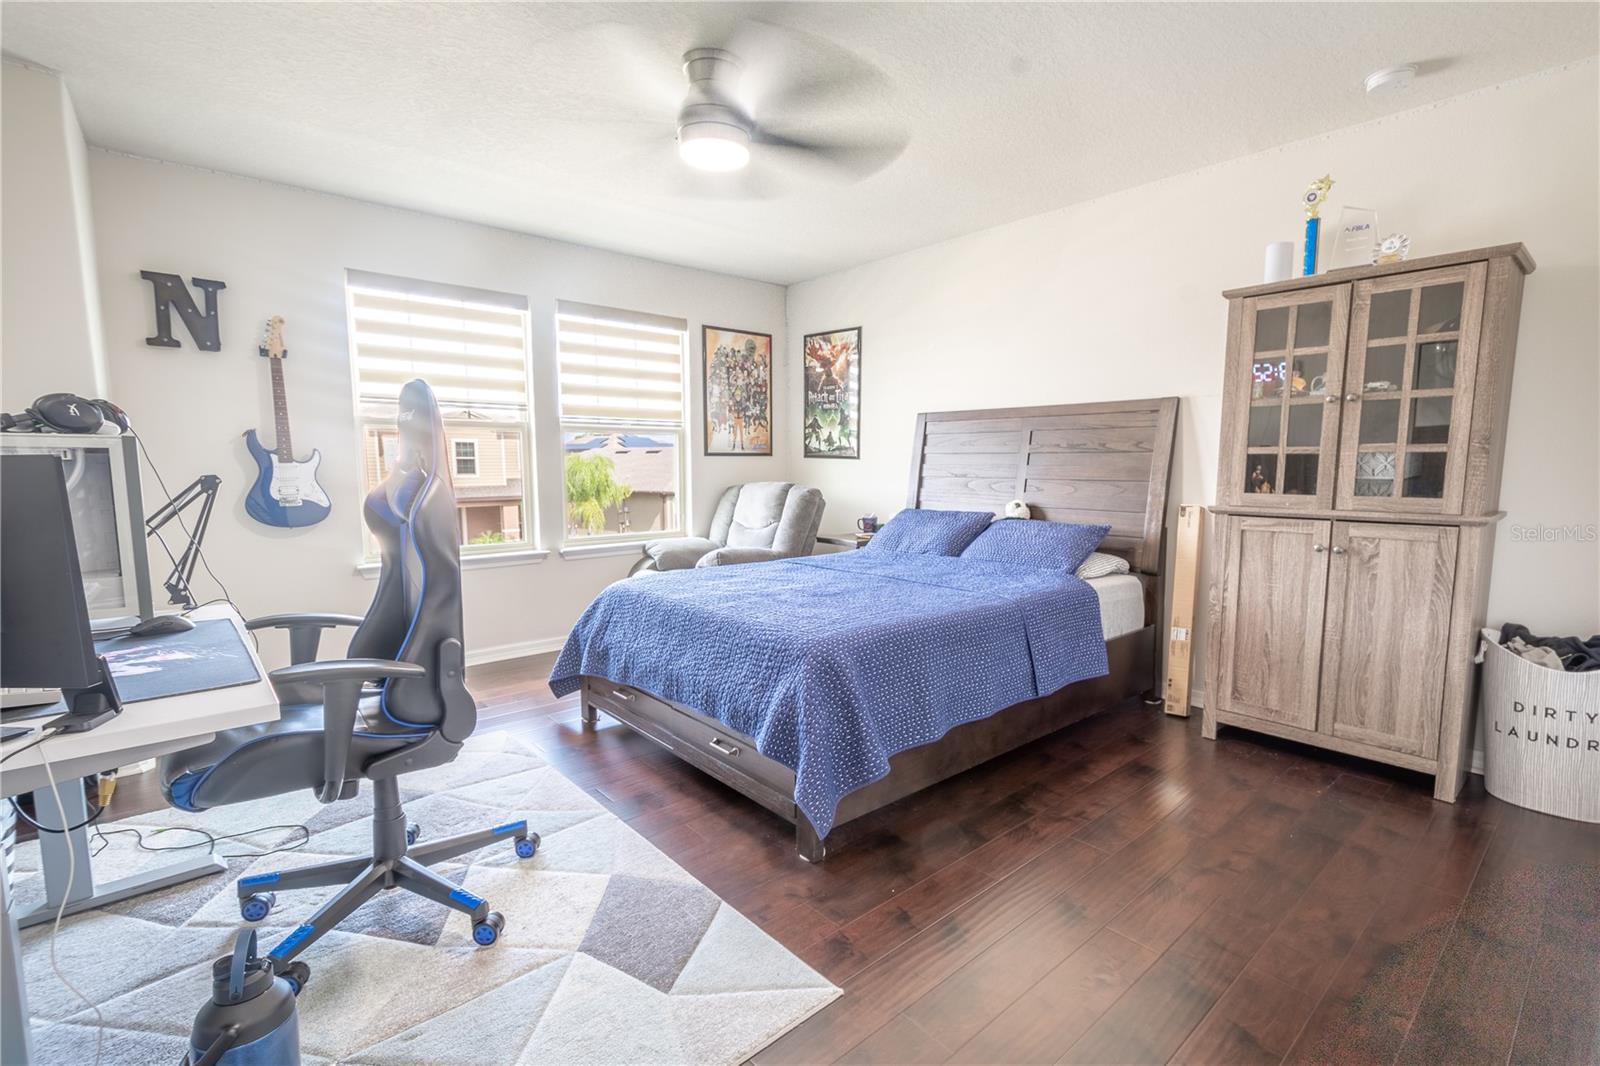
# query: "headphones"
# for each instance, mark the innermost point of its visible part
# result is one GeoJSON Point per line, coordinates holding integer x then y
{"type": "Point", "coordinates": [63, 412]}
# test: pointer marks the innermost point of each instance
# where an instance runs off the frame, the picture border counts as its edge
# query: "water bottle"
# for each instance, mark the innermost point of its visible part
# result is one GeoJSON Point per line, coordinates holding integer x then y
{"type": "Point", "coordinates": [251, 1019]}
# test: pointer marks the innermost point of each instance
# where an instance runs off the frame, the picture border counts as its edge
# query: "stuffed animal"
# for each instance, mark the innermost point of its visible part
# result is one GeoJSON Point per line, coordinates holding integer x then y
{"type": "Point", "coordinates": [1017, 509]}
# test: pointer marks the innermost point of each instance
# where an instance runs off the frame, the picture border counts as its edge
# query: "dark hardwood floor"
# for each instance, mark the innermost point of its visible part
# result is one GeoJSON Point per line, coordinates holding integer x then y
{"type": "Point", "coordinates": [1126, 892]}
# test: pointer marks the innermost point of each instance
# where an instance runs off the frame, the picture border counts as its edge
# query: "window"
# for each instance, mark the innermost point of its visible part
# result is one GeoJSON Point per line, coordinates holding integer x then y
{"type": "Point", "coordinates": [622, 413]}
{"type": "Point", "coordinates": [472, 347]}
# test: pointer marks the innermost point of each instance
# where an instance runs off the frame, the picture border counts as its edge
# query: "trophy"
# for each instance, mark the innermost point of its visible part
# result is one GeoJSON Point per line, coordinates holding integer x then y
{"type": "Point", "coordinates": [1392, 249]}
{"type": "Point", "coordinates": [1316, 194]}
{"type": "Point", "coordinates": [1355, 238]}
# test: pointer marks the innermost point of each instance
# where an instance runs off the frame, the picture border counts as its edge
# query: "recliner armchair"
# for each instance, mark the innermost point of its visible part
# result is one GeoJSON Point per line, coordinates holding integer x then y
{"type": "Point", "coordinates": [754, 522]}
{"type": "Point", "coordinates": [336, 729]}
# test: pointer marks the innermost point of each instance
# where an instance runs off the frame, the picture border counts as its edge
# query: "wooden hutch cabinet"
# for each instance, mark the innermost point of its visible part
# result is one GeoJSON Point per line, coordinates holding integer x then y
{"type": "Point", "coordinates": [1363, 426]}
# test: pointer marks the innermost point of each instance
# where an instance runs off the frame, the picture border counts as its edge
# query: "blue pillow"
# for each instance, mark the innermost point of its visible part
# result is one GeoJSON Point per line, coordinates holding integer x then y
{"type": "Point", "coordinates": [931, 532]}
{"type": "Point", "coordinates": [1041, 545]}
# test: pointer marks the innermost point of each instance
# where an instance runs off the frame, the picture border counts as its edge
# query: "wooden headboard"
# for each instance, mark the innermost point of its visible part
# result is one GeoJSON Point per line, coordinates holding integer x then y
{"type": "Point", "coordinates": [1078, 462]}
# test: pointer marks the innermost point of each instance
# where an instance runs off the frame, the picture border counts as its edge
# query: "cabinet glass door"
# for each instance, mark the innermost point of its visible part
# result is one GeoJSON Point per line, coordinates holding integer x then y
{"type": "Point", "coordinates": [1413, 351]}
{"type": "Point", "coordinates": [1288, 386]}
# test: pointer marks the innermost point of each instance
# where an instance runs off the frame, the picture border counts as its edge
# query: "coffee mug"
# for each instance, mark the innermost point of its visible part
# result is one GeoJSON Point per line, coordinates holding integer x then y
{"type": "Point", "coordinates": [869, 524]}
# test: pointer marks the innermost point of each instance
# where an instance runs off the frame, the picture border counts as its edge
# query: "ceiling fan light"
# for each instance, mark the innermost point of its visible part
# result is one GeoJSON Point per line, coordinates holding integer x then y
{"type": "Point", "coordinates": [715, 146]}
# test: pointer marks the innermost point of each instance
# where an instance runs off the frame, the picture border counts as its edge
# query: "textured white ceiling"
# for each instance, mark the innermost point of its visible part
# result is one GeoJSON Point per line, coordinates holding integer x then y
{"type": "Point", "coordinates": [557, 119]}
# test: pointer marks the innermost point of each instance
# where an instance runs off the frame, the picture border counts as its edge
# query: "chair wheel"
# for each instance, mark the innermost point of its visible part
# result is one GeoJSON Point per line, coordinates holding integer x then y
{"type": "Point", "coordinates": [527, 846]}
{"type": "Point", "coordinates": [487, 931]}
{"type": "Point", "coordinates": [413, 833]}
{"type": "Point", "coordinates": [258, 906]}
{"type": "Point", "coordinates": [297, 974]}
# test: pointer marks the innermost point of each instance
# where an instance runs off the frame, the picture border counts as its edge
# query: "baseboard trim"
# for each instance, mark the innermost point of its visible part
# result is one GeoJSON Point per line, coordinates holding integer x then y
{"type": "Point", "coordinates": [519, 650]}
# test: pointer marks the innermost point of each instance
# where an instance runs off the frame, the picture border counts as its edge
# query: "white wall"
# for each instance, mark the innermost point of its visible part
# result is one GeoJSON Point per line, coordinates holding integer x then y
{"type": "Point", "coordinates": [1119, 298]}
{"type": "Point", "coordinates": [50, 332]}
{"type": "Point", "coordinates": [284, 251]}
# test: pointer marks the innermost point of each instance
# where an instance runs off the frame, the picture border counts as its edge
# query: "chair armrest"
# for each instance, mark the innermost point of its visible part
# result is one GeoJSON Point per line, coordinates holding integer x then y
{"type": "Point", "coordinates": [305, 630]}
{"type": "Point", "coordinates": [678, 553]}
{"type": "Point", "coordinates": [319, 619]}
{"type": "Point", "coordinates": [735, 556]}
{"type": "Point", "coordinates": [341, 681]}
{"type": "Point", "coordinates": [357, 670]}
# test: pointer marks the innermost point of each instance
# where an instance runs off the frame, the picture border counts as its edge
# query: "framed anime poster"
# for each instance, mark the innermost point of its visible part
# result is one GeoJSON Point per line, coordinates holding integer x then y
{"type": "Point", "coordinates": [738, 391]}
{"type": "Point", "coordinates": [832, 417]}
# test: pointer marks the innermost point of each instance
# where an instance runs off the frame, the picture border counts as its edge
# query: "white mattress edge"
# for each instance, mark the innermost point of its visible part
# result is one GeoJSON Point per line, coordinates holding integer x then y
{"type": "Point", "coordinates": [1121, 603]}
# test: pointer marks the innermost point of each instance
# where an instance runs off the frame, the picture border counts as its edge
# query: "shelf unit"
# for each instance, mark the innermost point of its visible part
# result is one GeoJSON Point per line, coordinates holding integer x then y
{"type": "Point", "coordinates": [1363, 433]}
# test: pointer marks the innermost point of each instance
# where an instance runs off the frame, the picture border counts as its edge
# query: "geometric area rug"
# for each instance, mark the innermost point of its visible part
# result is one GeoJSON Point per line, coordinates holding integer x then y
{"type": "Point", "coordinates": [611, 952]}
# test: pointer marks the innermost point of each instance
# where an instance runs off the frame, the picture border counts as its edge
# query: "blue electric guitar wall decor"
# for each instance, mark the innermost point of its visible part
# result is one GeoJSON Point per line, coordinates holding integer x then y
{"type": "Point", "coordinates": [286, 492]}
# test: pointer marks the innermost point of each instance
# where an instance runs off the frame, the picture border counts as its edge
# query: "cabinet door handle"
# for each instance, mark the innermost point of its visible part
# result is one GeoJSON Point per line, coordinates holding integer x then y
{"type": "Point", "coordinates": [1319, 548]}
{"type": "Point", "coordinates": [1330, 398]}
{"type": "Point", "coordinates": [1351, 397]}
{"type": "Point", "coordinates": [1338, 550]}
{"type": "Point", "coordinates": [625, 697]}
{"type": "Point", "coordinates": [718, 744]}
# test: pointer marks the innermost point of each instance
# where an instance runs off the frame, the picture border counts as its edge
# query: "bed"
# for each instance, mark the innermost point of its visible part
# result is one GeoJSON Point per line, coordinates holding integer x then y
{"type": "Point", "coordinates": [939, 664]}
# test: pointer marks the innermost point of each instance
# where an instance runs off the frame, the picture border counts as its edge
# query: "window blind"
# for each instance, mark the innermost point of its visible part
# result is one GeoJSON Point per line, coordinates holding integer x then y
{"type": "Point", "coordinates": [619, 366]}
{"type": "Point", "coordinates": [470, 346]}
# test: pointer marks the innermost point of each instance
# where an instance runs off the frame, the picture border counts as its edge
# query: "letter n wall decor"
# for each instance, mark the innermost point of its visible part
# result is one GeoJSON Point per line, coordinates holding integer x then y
{"type": "Point", "coordinates": [171, 292]}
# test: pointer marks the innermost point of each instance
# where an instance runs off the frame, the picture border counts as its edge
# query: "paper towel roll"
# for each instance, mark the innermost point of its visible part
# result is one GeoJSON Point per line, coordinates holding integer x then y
{"type": "Point", "coordinates": [1279, 262]}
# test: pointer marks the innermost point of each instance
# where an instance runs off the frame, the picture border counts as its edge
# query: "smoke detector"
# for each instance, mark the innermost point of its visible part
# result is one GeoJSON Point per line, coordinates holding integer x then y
{"type": "Point", "coordinates": [1391, 80]}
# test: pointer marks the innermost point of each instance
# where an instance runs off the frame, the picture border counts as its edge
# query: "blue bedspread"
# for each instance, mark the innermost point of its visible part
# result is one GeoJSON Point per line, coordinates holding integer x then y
{"type": "Point", "coordinates": [834, 663]}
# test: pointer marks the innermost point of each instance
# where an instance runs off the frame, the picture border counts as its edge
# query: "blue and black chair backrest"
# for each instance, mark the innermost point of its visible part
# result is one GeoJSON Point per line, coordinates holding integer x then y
{"type": "Point", "coordinates": [417, 606]}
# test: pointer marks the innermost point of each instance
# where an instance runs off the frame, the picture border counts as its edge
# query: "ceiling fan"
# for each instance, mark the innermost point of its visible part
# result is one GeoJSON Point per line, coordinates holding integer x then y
{"type": "Point", "coordinates": [714, 133]}
{"type": "Point", "coordinates": [769, 109]}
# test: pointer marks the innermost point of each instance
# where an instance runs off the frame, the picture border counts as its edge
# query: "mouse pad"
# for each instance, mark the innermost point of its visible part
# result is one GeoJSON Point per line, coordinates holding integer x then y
{"type": "Point", "coordinates": [209, 656]}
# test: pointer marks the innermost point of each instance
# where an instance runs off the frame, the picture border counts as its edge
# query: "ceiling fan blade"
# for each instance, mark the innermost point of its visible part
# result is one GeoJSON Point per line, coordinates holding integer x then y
{"type": "Point", "coordinates": [651, 73]}
{"type": "Point", "coordinates": [802, 76]}
{"type": "Point", "coordinates": [836, 158]}
{"type": "Point", "coordinates": [814, 95]}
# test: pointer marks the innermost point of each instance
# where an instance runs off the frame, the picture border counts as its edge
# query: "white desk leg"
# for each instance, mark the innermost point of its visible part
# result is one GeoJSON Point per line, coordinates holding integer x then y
{"type": "Point", "coordinates": [84, 894]}
{"type": "Point", "coordinates": [53, 847]}
{"type": "Point", "coordinates": [16, 1041]}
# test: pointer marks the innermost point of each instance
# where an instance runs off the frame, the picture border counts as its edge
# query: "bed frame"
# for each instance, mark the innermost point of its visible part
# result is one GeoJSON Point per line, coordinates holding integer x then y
{"type": "Point", "coordinates": [1093, 462]}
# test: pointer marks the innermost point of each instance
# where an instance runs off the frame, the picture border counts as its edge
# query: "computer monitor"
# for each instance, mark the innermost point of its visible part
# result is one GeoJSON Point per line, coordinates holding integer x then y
{"type": "Point", "coordinates": [102, 476]}
{"type": "Point", "coordinates": [45, 637]}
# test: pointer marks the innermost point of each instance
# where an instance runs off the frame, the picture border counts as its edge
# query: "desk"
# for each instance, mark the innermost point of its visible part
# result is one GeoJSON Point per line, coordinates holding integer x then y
{"type": "Point", "coordinates": [143, 730]}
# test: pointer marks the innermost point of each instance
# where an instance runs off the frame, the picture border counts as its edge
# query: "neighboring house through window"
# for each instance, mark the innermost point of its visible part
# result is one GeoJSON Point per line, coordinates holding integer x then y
{"type": "Point", "coordinates": [622, 417]}
{"type": "Point", "coordinates": [471, 346]}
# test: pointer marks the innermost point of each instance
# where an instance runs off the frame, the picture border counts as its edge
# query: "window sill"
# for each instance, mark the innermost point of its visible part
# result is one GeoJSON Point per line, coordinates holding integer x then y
{"type": "Point", "coordinates": [480, 561]}
{"type": "Point", "coordinates": [598, 551]}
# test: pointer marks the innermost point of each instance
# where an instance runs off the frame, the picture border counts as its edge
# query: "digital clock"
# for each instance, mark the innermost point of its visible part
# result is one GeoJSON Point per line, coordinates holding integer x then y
{"type": "Point", "coordinates": [1271, 371]}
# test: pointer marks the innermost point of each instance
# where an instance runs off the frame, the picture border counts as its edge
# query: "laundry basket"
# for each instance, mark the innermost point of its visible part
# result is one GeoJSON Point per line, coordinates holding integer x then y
{"type": "Point", "coordinates": [1541, 734]}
